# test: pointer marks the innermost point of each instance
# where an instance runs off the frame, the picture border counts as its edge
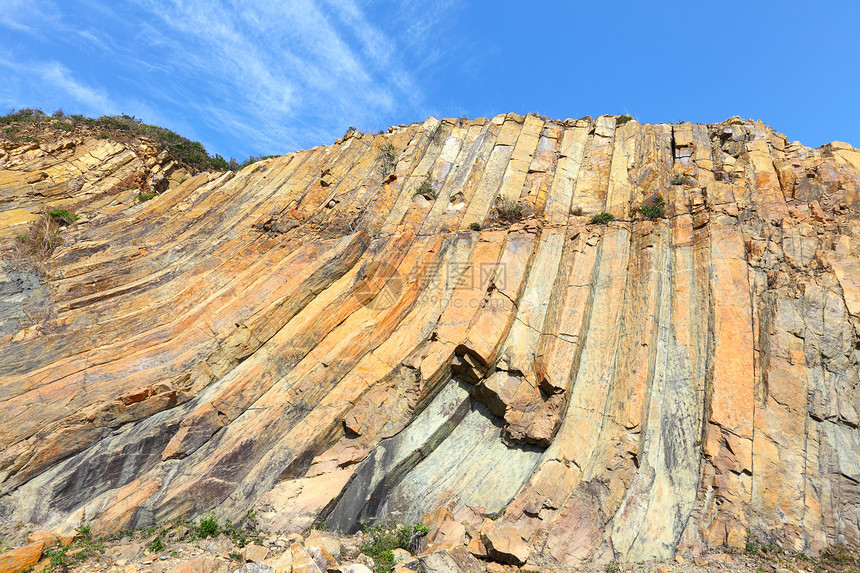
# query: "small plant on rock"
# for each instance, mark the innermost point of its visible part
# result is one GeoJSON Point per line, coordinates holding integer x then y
{"type": "Point", "coordinates": [39, 242]}
{"type": "Point", "coordinates": [387, 160]}
{"type": "Point", "coordinates": [208, 526]}
{"type": "Point", "coordinates": [62, 216]}
{"type": "Point", "coordinates": [157, 544]}
{"type": "Point", "coordinates": [509, 210]}
{"type": "Point", "coordinates": [602, 218]}
{"type": "Point", "coordinates": [381, 539]}
{"type": "Point", "coordinates": [145, 196]}
{"type": "Point", "coordinates": [622, 119]}
{"type": "Point", "coordinates": [475, 226]}
{"type": "Point", "coordinates": [654, 208]}
{"type": "Point", "coordinates": [680, 180]}
{"type": "Point", "coordinates": [426, 189]}
{"type": "Point", "coordinates": [82, 547]}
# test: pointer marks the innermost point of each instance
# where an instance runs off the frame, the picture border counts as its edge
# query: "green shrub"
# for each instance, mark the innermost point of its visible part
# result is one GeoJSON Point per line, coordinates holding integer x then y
{"type": "Point", "coordinates": [82, 547]}
{"type": "Point", "coordinates": [381, 539]}
{"type": "Point", "coordinates": [654, 208]}
{"type": "Point", "coordinates": [157, 544]}
{"type": "Point", "coordinates": [680, 180]}
{"type": "Point", "coordinates": [602, 218]}
{"type": "Point", "coordinates": [387, 160]}
{"type": "Point", "coordinates": [426, 188]}
{"type": "Point", "coordinates": [208, 526]}
{"type": "Point", "coordinates": [475, 226]}
{"type": "Point", "coordinates": [622, 119]}
{"type": "Point", "coordinates": [509, 210]}
{"type": "Point", "coordinates": [461, 121]}
{"type": "Point", "coordinates": [143, 197]}
{"type": "Point", "coordinates": [62, 216]}
{"type": "Point", "coordinates": [242, 532]}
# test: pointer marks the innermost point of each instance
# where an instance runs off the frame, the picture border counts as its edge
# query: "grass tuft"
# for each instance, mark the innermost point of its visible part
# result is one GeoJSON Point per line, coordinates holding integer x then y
{"type": "Point", "coordinates": [426, 189]}
{"type": "Point", "coordinates": [654, 208]}
{"type": "Point", "coordinates": [509, 210]}
{"type": "Point", "coordinates": [602, 218]}
{"type": "Point", "coordinates": [62, 216]}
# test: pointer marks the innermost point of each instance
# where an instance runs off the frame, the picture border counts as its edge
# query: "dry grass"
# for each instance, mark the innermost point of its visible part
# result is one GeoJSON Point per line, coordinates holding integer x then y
{"type": "Point", "coordinates": [39, 242]}
{"type": "Point", "coordinates": [509, 210]}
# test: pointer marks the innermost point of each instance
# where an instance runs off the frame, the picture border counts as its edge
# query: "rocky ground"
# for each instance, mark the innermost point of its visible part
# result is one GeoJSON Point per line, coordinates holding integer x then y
{"type": "Point", "coordinates": [209, 547]}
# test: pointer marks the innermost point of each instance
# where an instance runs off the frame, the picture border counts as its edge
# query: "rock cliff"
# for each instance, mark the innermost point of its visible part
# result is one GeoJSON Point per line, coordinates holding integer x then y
{"type": "Point", "coordinates": [429, 320]}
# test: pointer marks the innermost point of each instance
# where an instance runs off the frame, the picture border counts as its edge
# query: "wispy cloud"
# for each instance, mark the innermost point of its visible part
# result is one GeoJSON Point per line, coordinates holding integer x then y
{"type": "Point", "coordinates": [27, 15]}
{"type": "Point", "coordinates": [57, 77]}
{"type": "Point", "coordinates": [278, 75]}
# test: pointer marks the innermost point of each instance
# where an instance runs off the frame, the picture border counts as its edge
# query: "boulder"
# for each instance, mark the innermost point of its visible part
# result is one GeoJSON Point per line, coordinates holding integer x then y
{"type": "Point", "coordinates": [201, 565]}
{"type": "Point", "coordinates": [443, 529]}
{"type": "Point", "coordinates": [321, 557]}
{"type": "Point", "coordinates": [400, 555]}
{"type": "Point", "coordinates": [505, 544]}
{"type": "Point", "coordinates": [255, 553]}
{"type": "Point", "coordinates": [477, 548]}
{"type": "Point", "coordinates": [255, 568]}
{"type": "Point", "coordinates": [47, 537]}
{"type": "Point", "coordinates": [22, 558]}
{"type": "Point", "coordinates": [294, 560]}
{"type": "Point", "coordinates": [456, 560]}
{"type": "Point", "coordinates": [325, 539]}
{"type": "Point", "coordinates": [354, 568]}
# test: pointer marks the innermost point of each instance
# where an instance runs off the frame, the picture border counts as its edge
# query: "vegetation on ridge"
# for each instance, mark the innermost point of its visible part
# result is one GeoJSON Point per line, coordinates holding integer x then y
{"type": "Point", "coordinates": [180, 149]}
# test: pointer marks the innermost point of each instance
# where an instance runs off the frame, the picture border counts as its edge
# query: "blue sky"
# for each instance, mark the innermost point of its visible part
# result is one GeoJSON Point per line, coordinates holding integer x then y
{"type": "Point", "coordinates": [270, 77]}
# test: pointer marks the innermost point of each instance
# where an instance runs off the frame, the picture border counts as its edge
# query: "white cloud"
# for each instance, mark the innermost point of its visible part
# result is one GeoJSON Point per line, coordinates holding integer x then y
{"type": "Point", "coordinates": [278, 75]}
{"type": "Point", "coordinates": [31, 16]}
{"type": "Point", "coordinates": [54, 75]}
{"type": "Point", "coordinates": [57, 75]}
{"type": "Point", "coordinates": [287, 69]}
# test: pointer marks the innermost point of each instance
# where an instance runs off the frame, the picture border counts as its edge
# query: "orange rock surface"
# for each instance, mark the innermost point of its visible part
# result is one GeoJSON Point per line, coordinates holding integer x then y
{"type": "Point", "coordinates": [316, 341]}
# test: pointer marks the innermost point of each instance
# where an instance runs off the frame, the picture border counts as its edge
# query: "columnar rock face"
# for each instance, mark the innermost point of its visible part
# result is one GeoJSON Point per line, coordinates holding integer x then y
{"type": "Point", "coordinates": [313, 339]}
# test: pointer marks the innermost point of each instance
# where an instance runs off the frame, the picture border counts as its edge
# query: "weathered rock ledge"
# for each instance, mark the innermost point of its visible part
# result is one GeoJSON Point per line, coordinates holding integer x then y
{"type": "Point", "coordinates": [313, 339]}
